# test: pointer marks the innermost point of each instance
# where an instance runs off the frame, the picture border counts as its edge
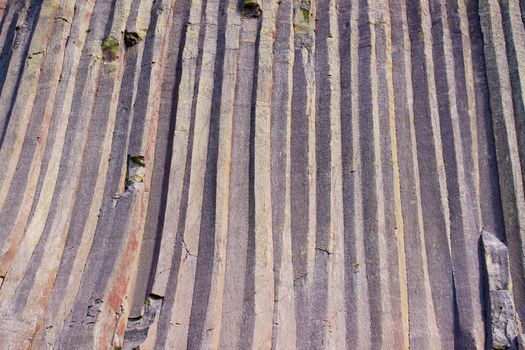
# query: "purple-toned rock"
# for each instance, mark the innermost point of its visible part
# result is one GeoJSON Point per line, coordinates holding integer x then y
{"type": "Point", "coordinates": [262, 174]}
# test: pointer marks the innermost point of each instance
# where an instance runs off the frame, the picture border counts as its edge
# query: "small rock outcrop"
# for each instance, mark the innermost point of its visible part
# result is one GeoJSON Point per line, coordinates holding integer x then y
{"type": "Point", "coordinates": [251, 8]}
{"type": "Point", "coordinates": [137, 328]}
{"type": "Point", "coordinates": [502, 321]}
{"type": "Point", "coordinates": [131, 38]}
{"type": "Point", "coordinates": [136, 172]}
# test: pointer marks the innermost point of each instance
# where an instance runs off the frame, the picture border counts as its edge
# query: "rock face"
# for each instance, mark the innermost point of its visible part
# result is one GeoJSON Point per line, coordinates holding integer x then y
{"type": "Point", "coordinates": [257, 174]}
{"type": "Point", "coordinates": [501, 318]}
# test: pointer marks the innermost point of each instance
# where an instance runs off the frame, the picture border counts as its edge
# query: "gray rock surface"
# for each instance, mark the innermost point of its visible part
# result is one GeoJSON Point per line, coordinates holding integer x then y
{"type": "Point", "coordinates": [261, 174]}
{"type": "Point", "coordinates": [502, 318]}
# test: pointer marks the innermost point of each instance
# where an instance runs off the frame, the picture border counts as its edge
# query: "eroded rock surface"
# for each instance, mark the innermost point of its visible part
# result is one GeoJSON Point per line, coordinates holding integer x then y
{"type": "Point", "coordinates": [502, 319]}
{"type": "Point", "coordinates": [261, 174]}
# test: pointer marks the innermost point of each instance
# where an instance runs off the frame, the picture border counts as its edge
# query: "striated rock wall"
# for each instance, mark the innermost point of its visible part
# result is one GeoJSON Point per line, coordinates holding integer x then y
{"type": "Point", "coordinates": [256, 174]}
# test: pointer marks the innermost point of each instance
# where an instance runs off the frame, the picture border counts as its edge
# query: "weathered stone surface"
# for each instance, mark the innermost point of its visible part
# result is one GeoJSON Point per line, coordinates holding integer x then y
{"type": "Point", "coordinates": [137, 328]}
{"type": "Point", "coordinates": [264, 174]}
{"type": "Point", "coordinates": [503, 323]}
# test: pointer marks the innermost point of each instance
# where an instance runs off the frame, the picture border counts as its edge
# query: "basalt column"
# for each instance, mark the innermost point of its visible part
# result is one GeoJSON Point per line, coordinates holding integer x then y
{"type": "Point", "coordinates": [262, 174]}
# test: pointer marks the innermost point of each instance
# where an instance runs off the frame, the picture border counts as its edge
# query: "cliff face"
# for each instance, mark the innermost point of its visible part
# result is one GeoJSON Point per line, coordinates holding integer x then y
{"type": "Point", "coordinates": [225, 174]}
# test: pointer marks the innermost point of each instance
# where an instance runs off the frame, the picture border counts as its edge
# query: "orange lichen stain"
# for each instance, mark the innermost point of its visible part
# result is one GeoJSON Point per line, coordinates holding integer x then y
{"type": "Point", "coordinates": [119, 292]}
{"type": "Point", "coordinates": [121, 282]}
{"type": "Point", "coordinates": [6, 260]}
{"type": "Point", "coordinates": [103, 345]}
{"type": "Point", "coordinates": [42, 299]}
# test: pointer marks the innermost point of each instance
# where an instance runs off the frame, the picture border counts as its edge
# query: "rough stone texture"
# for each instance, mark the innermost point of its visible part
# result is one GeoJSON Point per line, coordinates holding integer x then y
{"type": "Point", "coordinates": [501, 318]}
{"type": "Point", "coordinates": [256, 174]}
{"type": "Point", "coordinates": [137, 329]}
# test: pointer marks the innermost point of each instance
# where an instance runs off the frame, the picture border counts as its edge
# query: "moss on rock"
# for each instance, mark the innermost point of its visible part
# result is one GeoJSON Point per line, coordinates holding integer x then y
{"type": "Point", "coordinates": [136, 172]}
{"type": "Point", "coordinates": [110, 48]}
{"type": "Point", "coordinates": [306, 14]}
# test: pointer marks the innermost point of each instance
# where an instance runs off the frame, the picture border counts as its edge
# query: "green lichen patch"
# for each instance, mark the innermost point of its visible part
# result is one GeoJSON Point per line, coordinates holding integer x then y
{"type": "Point", "coordinates": [110, 48]}
{"type": "Point", "coordinates": [251, 9]}
{"type": "Point", "coordinates": [131, 38]}
{"type": "Point", "coordinates": [136, 172]}
{"type": "Point", "coordinates": [306, 14]}
{"type": "Point", "coordinates": [134, 179]}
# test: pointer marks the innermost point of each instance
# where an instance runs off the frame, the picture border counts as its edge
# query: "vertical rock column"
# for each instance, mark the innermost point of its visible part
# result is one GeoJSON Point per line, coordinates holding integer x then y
{"type": "Point", "coordinates": [505, 134]}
